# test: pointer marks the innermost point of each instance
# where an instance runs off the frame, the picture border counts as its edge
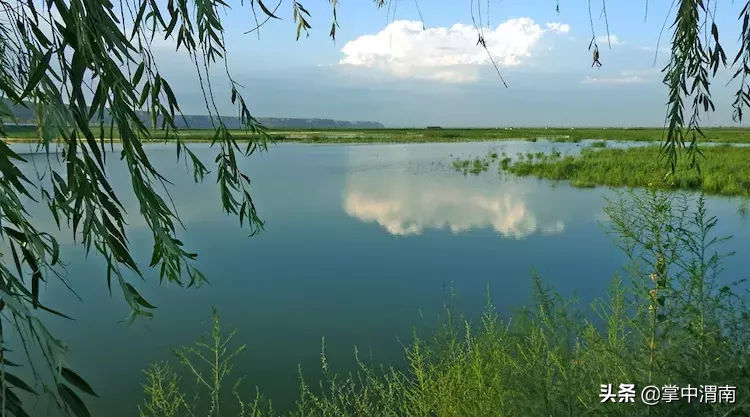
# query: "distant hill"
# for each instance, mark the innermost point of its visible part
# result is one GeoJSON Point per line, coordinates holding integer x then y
{"type": "Point", "coordinates": [28, 115]}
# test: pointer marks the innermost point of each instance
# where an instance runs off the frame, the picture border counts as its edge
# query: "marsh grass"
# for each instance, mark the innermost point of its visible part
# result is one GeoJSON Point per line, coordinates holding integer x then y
{"type": "Point", "coordinates": [475, 166]}
{"type": "Point", "coordinates": [668, 319]}
{"type": "Point", "coordinates": [599, 144]}
{"type": "Point", "coordinates": [723, 171]}
{"type": "Point", "coordinates": [563, 135]}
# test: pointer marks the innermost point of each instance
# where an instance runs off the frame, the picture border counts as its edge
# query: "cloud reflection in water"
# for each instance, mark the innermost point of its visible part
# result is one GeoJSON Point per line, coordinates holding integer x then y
{"type": "Point", "coordinates": [405, 204]}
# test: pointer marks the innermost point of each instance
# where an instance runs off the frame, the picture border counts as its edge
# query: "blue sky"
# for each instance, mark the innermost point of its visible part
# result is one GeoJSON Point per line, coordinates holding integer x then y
{"type": "Point", "coordinates": [384, 67]}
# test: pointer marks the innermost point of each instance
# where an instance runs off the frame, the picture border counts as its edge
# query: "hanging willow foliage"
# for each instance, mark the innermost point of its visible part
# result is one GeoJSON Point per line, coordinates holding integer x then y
{"type": "Point", "coordinates": [54, 54]}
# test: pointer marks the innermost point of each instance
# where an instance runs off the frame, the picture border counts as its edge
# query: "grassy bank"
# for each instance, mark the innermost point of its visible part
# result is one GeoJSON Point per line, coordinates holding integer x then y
{"type": "Point", "coordinates": [723, 171]}
{"type": "Point", "coordinates": [720, 135]}
{"type": "Point", "coordinates": [668, 321]}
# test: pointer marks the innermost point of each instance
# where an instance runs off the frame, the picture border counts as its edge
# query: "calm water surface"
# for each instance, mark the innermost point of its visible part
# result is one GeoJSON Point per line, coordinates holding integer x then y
{"type": "Point", "coordinates": [361, 241]}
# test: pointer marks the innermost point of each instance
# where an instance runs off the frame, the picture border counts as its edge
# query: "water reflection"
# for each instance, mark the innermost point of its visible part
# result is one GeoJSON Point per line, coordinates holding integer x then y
{"type": "Point", "coordinates": [337, 286]}
{"type": "Point", "coordinates": [411, 198]}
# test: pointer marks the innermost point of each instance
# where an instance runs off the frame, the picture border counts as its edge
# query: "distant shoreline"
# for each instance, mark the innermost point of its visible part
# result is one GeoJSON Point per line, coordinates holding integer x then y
{"type": "Point", "coordinates": [438, 135]}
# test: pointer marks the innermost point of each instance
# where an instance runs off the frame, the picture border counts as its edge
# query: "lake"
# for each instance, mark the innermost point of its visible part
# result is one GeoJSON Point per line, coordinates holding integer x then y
{"type": "Point", "coordinates": [362, 243]}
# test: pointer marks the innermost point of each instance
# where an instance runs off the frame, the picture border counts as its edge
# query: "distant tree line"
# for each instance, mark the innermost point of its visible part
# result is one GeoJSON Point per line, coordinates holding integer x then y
{"type": "Point", "coordinates": [27, 115]}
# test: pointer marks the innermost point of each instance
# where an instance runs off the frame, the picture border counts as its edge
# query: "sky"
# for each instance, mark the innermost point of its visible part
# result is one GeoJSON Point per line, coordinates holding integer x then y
{"type": "Point", "coordinates": [417, 63]}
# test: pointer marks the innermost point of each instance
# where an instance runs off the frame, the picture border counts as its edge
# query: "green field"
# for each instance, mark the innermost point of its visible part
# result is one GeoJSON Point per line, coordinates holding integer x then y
{"type": "Point", "coordinates": [724, 169]}
{"type": "Point", "coordinates": [719, 135]}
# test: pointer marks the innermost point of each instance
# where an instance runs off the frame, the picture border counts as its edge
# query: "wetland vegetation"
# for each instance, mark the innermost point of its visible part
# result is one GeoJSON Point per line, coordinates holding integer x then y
{"type": "Point", "coordinates": [723, 169]}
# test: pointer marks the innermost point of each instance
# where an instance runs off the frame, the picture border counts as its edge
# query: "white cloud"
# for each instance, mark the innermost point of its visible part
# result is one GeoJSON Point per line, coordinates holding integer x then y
{"type": "Point", "coordinates": [406, 49]}
{"type": "Point", "coordinates": [555, 27]}
{"type": "Point", "coordinates": [613, 40]}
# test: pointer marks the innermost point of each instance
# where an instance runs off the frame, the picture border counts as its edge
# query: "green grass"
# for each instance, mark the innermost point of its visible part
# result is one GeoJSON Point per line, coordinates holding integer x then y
{"type": "Point", "coordinates": [669, 320]}
{"type": "Point", "coordinates": [723, 171]}
{"type": "Point", "coordinates": [475, 166]}
{"type": "Point", "coordinates": [720, 135]}
{"type": "Point", "coordinates": [599, 144]}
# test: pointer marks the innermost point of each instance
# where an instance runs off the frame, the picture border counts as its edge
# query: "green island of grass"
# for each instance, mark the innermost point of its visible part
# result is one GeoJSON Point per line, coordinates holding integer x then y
{"type": "Point", "coordinates": [723, 170]}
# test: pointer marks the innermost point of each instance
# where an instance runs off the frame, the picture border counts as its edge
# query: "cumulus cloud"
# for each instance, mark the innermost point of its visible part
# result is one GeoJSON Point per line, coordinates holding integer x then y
{"type": "Point", "coordinates": [406, 49]}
